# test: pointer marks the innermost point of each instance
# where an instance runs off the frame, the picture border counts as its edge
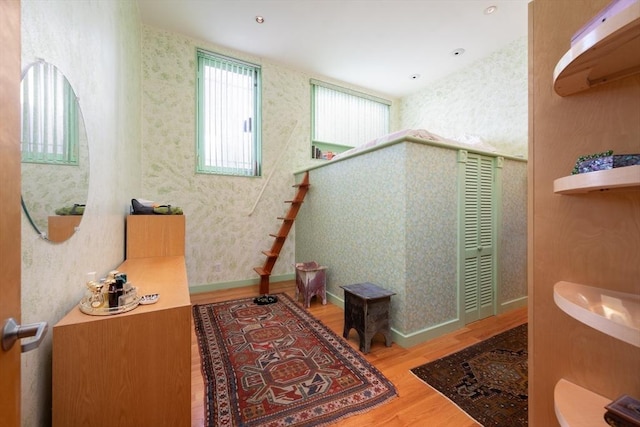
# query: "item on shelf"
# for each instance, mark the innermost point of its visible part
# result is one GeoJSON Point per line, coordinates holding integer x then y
{"type": "Point", "coordinates": [604, 161]}
{"type": "Point", "coordinates": [76, 209]}
{"type": "Point", "coordinates": [95, 298]}
{"type": "Point", "coordinates": [623, 412]}
{"type": "Point", "coordinates": [147, 207]}
{"type": "Point", "coordinates": [149, 299]}
{"type": "Point", "coordinates": [111, 295]}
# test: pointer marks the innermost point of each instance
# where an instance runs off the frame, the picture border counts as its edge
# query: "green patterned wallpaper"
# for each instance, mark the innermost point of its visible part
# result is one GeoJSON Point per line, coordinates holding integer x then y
{"type": "Point", "coordinates": [389, 216]}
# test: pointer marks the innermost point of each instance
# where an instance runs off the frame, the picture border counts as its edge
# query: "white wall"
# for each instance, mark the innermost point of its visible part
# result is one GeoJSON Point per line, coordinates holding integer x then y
{"type": "Point", "coordinates": [486, 100]}
{"type": "Point", "coordinates": [96, 44]}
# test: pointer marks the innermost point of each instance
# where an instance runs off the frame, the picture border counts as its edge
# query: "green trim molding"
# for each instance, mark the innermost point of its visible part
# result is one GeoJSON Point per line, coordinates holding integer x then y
{"type": "Point", "coordinates": [199, 289]}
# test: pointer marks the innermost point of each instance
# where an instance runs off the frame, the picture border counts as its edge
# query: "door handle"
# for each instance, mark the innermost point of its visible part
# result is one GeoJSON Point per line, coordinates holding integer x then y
{"type": "Point", "coordinates": [480, 248]}
{"type": "Point", "coordinates": [13, 332]}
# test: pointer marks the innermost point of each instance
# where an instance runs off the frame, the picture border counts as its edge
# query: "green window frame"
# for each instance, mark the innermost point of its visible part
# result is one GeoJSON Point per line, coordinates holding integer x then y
{"type": "Point", "coordinates": [50, 116]}
{"type": "Point", "coordinates": [228, 115]}
{"type": "Point", "coordinates": [344, 118]}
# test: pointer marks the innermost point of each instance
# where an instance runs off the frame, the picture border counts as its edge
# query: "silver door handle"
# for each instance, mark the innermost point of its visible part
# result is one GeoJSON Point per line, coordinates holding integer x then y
{"type": "Point", "coordinates": [13, 332]}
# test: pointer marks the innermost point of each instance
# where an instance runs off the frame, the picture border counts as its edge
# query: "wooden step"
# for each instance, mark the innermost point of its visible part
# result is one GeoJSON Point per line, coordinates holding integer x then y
{"type": "Point", "coordinates": [261, 271]}
{"type": "Point", "coordinates": [273, 254]}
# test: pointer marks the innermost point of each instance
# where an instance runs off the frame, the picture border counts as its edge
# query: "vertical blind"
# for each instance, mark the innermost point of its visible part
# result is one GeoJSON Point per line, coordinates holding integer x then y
{"type": "Point", "coordinates": [49, 132]}
{"type": "Point", "coordinates": [345, 117]}
{"type": "Point", "coordinates": [228, 116]}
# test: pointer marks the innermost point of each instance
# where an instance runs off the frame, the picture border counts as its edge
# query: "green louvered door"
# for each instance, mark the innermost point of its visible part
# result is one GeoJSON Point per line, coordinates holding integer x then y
{"type": "Point", "coordinates": [477, 236]}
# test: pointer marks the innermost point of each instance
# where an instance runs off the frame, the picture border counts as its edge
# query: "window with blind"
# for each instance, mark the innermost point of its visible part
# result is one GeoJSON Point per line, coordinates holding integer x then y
{"type": "Point", "coordinates": [345, 118]}
{"type": "Point", "coordinates": [228, 116]}
{"type": "Point", "coordinates": [49, 132]}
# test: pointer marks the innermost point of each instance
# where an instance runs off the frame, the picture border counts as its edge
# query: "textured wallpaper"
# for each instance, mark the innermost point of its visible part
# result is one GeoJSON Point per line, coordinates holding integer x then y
{"type": "Point", "coordinates": [390, 217]}
{"type": "Point", "coordinates": [513, 237]}
{"type": "Point", "coordinates": [228, 219]}
{"type": "Point", "coordinates": [486, 102]}
{"type": "Point", "coordinates": [96, 45]}
{"type": "Point", "coordinates": [432, 236]}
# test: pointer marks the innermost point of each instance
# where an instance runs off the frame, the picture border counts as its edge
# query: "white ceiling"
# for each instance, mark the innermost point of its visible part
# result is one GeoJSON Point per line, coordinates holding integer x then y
{"type": "Point", "coordinates": [375, 44]}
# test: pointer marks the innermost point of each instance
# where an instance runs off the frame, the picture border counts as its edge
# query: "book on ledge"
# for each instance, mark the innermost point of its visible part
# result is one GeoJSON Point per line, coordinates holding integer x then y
{"type": "Point", "coordinates": [623, 412]}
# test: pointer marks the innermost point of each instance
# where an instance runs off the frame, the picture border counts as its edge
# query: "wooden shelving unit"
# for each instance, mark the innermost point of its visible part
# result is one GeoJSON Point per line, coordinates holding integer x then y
{"type": "Point", "coordinates": [609, 52]}
{"type": "Point", "coordinates": [581, 344]}
{"type": "Point", "coordinates": [625, 177]}
{"type": "Point", "coordinates": [614, 313]}
{"type": "Point", "coordinates": [576, 406]}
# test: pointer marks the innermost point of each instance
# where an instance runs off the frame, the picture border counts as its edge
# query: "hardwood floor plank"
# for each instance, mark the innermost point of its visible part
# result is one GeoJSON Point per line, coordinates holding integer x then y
{"type": "Point", "coordinates": [416, 404]}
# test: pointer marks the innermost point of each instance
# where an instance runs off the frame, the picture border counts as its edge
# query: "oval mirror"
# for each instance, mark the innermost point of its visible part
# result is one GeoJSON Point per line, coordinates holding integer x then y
{"type": "Point", "coordinates": [55, 153]}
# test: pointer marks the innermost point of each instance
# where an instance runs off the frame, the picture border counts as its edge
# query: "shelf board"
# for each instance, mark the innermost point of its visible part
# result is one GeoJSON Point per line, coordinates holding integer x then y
{"type": "Point", "coordinates": [577, 406]}
{"type": "Point", "coordinates": [609, 52]}
{"type": "Point", "coordinates": [614, 313]}
{"type": "Point", "coordinates": [627, 176]}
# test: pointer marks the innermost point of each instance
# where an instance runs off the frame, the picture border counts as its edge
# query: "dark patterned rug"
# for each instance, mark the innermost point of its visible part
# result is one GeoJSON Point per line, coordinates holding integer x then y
{"type": "Point", "coordinates": [276, 365]}
{"type": "Point", "coordinates": [487, 380]}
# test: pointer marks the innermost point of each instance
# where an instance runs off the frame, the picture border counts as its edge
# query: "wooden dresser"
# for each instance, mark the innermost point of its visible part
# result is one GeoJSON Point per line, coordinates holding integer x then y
{"type": "Point", "coordinates": [134, 368]}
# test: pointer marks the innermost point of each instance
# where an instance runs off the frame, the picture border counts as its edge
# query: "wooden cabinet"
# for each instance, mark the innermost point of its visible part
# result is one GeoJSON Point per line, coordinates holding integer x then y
{"type": "Point", "coordinates": [155, 235]}
{"type": "Point", "coordinates": [584, 239]}
{"type": "Point", "coordinates": [133, 368]}
{"type": "Point", "coordinates": [61, 227]}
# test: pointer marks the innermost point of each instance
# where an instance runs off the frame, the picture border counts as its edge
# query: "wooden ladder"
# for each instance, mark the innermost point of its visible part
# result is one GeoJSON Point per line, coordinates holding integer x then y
{"type": "Point", "coordinates": [278, 243]}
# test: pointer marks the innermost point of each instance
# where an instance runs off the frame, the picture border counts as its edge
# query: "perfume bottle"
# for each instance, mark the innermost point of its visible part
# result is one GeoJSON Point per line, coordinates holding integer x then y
{"type": "Point", "coordinates": [95, 299]}
{"type": "Point", "coordinates": [113, 293]}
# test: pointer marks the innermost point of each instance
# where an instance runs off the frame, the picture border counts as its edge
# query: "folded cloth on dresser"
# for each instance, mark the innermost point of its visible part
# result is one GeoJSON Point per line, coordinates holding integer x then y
{"type": "Point", "coordinates": [76, 209]}
{"type": "Point", "coordinates": [146, 207]}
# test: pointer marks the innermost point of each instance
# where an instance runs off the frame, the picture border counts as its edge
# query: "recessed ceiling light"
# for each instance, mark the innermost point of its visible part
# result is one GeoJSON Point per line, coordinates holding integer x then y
{"type": "Point", "coordinates": [414, 76]}
{"type": "Point", "coordinates": [490, 10]}
{"type": "Point", "coordinates": [457, 52]}
{"type": "Point", "coordinates": [260, 19]}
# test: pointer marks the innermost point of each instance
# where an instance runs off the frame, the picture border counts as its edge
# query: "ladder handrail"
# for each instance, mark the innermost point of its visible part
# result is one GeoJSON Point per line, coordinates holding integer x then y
{"type": "Point", "coordinates": [286, 145]}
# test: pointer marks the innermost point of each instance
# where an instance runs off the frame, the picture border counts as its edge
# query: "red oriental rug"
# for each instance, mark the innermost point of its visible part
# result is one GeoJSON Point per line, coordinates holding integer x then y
{"type": "Point", "coordinates": [276, 365]}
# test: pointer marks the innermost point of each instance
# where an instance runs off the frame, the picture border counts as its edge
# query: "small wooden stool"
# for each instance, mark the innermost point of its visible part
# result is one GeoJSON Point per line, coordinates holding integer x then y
{"type": "Point", "coordinates": [311, 279]}
{"type": "Point", "coordinates": [366, 308]}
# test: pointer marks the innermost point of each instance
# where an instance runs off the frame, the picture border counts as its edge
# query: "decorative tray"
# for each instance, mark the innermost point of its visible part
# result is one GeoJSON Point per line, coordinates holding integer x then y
{"type": "Point", "coordinates": [131, 301]}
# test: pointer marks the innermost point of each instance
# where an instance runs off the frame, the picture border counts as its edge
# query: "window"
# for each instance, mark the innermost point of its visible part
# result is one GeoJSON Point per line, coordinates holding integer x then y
{"type": "Point", "coordinates": [50, 129]}
{"type": "Point", "coordinates": [228, 116]}
{"type": "Point", "coordinates": [346, 118]}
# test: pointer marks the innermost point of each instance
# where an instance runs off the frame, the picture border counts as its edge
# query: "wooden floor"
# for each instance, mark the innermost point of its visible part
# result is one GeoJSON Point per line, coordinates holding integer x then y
{"type": "Point", "coordinates": [416, 404]}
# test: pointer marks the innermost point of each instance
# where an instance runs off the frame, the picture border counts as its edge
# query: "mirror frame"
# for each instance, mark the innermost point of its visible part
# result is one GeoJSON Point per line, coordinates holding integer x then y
{"type": "Point", "coordinates": [53, 218]}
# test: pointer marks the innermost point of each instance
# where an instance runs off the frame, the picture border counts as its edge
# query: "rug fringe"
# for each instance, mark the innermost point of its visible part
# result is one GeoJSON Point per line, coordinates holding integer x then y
{"type": "Point", "coordinates": [452, 402]}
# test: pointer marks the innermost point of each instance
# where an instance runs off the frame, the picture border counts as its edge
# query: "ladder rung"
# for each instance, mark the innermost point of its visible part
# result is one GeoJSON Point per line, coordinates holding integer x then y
{"type": "Point", "coordinates": [270, 254]}
{"type": "Point", "coordinates": [293, 201]}
{"type": "Point", "coordinates": [286, 218]}
{"type": "Point", "coordinates": [261, 271]}
{"type": "Point", "coordinates": [277, 236]}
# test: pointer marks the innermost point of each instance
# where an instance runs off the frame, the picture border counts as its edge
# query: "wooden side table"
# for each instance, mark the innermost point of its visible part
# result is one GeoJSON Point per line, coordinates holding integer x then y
{"type": "Point", "coordinates": [366, 308]}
